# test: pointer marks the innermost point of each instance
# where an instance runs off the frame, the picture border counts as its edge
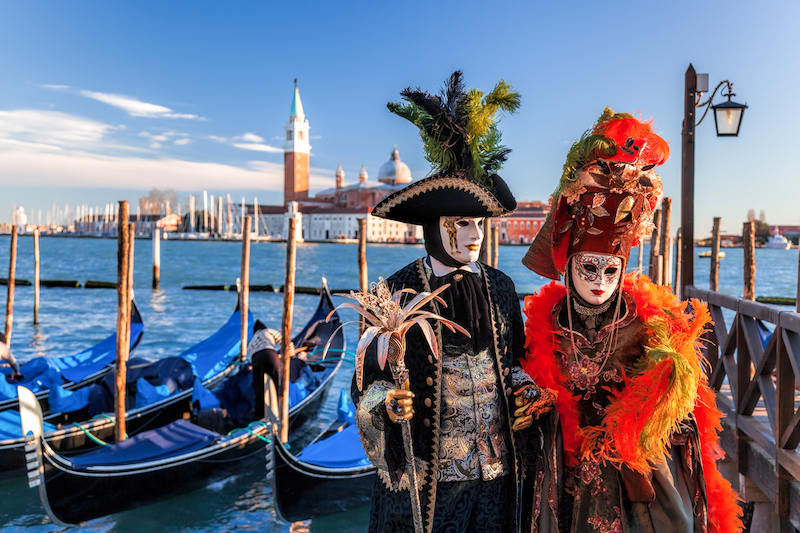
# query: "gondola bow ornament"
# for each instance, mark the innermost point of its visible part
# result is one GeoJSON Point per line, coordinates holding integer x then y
{"type": "Point", "coordinates": [389, 322]}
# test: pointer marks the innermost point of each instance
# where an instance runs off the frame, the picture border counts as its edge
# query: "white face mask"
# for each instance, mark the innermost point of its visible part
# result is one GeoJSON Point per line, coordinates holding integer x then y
{"type": "Point", "coordinates": [595, 276]}
{"type": "Point", "coordinates": [462, 237]}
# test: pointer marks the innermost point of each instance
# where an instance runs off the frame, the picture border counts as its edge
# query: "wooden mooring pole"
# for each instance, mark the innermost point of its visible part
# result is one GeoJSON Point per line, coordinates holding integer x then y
{"type": "Point", "coordinates": [486, 250]}
{"type": "Point", "coordinates": [655, 239]}
{"type": "Point", "coordinates": [363, 284]}
{"type": "Point", "coordinates": [678, 263]}
{"type": "Point", "coordinates": [244, 294]}
{"type": "Point", "coordinates": [797, 296]}
{"type": "Point", "coordinates": [749, 245]}
{"type": "Point", "coordinates": [496, 249]}
{"type": "Point", "coordinates": [286, 327]}
{"type": "Point", "coordinates": [12, 271]}
{"type": "Point", "coordinates": [640, 265]}
{"type": "Point", "coordinates": [123, 318]}
{"type": "Point", "coordinates": [36, 276]}
{"type": "Point", "coordinates": [713, 275]}
{"type": "Point", "coordinates": [156, 258]}
{"type": "Point", "coordinates": [663, 246]}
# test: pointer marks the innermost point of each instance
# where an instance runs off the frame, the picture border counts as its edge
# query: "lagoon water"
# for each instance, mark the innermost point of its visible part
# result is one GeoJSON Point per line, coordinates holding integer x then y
{"type": "Point", "coordinates": [73, 319]}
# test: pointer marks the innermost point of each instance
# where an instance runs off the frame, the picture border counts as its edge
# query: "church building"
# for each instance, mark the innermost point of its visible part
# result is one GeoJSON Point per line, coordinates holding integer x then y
{"type": "Point", "coordinates": [332, 214]}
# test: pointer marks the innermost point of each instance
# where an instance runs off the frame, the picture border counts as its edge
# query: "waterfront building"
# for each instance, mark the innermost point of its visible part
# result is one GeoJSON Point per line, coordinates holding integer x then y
{"type": "Point", "coordinates": [332, 214]}
{"type": "Point", "coordinates": [521, 226]}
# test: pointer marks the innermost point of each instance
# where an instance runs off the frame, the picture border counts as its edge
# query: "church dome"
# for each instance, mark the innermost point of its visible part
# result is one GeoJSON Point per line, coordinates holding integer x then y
{"type": "Point", "coordinates": [394, 171]}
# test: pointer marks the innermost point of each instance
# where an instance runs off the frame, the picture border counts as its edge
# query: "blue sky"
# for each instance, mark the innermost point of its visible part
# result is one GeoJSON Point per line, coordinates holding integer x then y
{"type": "Point", "coordinates": [101, 101]}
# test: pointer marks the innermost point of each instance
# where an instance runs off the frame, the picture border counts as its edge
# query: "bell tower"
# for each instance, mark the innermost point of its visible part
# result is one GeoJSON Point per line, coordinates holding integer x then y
{"type": "Point", "coordinates": [296, 151]}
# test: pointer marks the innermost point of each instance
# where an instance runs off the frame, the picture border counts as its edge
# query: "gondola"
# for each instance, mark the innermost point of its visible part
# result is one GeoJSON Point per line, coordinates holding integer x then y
{"type": "Point", "coordinates": [160, 463]}
{"type": "Point", "coordinates": [330, 475]}
{"type": "Point", "coordinates": [70, 371]}
{"type": "Point", "coordinates": [90, 421]}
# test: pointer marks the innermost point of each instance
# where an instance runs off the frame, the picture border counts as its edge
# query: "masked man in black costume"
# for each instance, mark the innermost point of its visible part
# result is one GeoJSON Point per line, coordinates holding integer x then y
{"type": "Point", "coordinates": [470, 406]}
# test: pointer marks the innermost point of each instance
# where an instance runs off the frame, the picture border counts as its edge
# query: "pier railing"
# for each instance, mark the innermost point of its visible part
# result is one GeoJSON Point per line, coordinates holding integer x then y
{"type": "Point", "coordinates": [757, 383]}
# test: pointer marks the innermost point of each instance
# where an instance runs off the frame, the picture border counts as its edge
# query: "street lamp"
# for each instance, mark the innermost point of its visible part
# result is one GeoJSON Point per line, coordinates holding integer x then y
{"type": "Point", "coordinates": [728, 118]}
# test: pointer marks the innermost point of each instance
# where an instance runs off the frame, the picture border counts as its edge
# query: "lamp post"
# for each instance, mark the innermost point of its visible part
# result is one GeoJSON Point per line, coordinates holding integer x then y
{"type": "Point", "coordinates": [728, 119]}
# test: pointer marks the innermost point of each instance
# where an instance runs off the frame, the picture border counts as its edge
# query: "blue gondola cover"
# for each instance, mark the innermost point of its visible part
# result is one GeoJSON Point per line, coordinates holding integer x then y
{"type": "Point", "coordinates": [342, 450]}
{"type": "Point", "coordinates": [174, 439]}
{"type": "Point", "coordinates": [65, 401]}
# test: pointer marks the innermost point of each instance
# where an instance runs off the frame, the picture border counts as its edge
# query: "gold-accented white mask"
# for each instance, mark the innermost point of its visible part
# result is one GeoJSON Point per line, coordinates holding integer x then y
{"type": "Point", "coordinates": [595, 276]}
{"type": "Point", "coordinates": [462, 237]}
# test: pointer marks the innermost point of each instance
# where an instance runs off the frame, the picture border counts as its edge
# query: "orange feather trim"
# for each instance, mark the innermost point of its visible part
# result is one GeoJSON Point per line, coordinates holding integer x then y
{"type": "Point", "coordinates": [666, 386]}
{"type": "Point", "coordinates": [541, 364]}
{"type": "Point", "coordinates": [724, 514]}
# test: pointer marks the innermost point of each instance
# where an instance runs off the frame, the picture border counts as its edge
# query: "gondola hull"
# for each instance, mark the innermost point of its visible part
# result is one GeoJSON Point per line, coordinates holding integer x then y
{"type": "Point", "coordinates": [302, 490]}
{"type": "Point", "coordinates": [93, 377]}
{"type": "Point", "coordinates": [157, 464]}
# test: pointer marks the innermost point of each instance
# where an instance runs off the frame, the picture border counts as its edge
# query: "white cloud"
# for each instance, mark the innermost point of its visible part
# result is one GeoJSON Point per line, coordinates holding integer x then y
{"type": "Point", "coordinates": [43, 168]}
{"type": "Point", "coordinates": [55, 87]}
{"type": "Point", "coordinates": [137, 108]}
{"type": "Point", "coordinates": [259, 147]}
{"type": "Point", "coordinates": [216, 138]}
{"type": "Point", "coordinates": [249, 137]}
{"type": "Point", "coordinates": [52, 128]}
{"type": "Point", "coordinates": [43, 148]}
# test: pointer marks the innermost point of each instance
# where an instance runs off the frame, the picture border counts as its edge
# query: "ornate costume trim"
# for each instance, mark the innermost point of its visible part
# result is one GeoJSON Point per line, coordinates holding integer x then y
{"type": "Point", "coordinates": [591, 311]}
{"type": "Point", "coordinates": [666, 387]}
{"type": "Point", "coordinates": [462, 183]}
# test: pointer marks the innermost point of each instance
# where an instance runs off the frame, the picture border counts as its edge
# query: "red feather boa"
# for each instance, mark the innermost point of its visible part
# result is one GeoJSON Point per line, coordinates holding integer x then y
{"type": "Point", "coordinates": [654, 305]}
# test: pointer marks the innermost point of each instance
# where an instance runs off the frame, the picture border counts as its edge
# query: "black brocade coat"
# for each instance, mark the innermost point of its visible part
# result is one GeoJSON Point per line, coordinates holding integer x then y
{"type": "Point", "coordinates": [425, 375]}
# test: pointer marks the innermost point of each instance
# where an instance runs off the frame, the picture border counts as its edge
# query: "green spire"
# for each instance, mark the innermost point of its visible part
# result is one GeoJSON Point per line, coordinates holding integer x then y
{"type": "Point", "coordinates": [297, 105]}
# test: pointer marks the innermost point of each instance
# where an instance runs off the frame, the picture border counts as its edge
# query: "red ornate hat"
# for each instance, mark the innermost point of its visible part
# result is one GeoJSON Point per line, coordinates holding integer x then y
{"type": "Point", "coordinates": [605, 200]}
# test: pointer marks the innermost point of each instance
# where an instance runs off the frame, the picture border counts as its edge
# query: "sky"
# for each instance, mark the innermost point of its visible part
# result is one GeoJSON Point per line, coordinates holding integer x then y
{"type": "Point", "coordinates": [102, 101]}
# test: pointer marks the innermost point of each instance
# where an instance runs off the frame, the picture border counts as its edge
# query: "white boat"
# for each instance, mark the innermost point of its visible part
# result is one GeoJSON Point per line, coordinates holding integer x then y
{"type": "Point", "coordinates": [778, 242]}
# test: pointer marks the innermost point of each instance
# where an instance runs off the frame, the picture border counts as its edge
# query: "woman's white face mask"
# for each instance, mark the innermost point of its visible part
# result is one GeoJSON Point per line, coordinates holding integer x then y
{"type": "Point", "coordinates": [595, 276]}
{"type": "Point", "coordinates": [462, 237]}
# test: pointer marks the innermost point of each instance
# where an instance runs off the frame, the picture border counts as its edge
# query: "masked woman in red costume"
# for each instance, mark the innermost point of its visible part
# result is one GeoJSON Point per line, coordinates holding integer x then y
{"type": "Point", "coordinates": [632, 443]}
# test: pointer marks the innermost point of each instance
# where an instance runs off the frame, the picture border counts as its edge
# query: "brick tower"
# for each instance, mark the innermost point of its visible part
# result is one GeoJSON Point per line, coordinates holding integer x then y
{"type": "Point", "coordinates": [295, 153]}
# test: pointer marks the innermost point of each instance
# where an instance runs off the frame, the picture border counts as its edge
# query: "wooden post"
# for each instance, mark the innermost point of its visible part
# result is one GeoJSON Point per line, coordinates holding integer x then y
{"type": "Point", "coordinates": [678, 260]}
{"type": "Point", "coordinates": [486, 250]}
{"type": "Point", "coordinates": [132, 240]}
{"type": "Point", "coordinates": [668, 262]}
{"type": "Point", "coordinates": [797, 296]}
{"type": "Point", "coordinates": [244, 296]}
{"type": "Point", "coordinates": [286, 326]}
{"type": "Point", "coordinates": [496, 248]}
{"type": "Point", "coordinates": [362, 263]}
{"type": "Point", "coordinates": [713, 274]}
{"type": "Point", "coordinates": [666, 212]}
{"type": "Point", "coordinates": [12, 271]}
{"type": "Point", "coordinates": [36, 276]}
{"type": "Point", "coordinates": [123, 319]}
{"type": "Point", "coordinates": [749, 244]}
{"type": "Point", "coordinates": [654, 248]}
{"type": "Point", "coordinates": [156, 258]}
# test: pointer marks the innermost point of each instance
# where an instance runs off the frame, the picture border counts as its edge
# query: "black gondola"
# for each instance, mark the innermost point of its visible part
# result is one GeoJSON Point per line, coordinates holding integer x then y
{"type": "Point", "coordinates": [70, 371]}
{"type": "Point", "coordinates": [210, 360]}
{"type": "Point", "coordinates": [160, 463]}
{"type": "Point", "coordinates": [330, 475]}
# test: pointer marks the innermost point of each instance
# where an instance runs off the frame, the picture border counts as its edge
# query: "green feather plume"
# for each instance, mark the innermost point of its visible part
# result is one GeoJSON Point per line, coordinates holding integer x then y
{"type": "Point", "coordinates": [459, 127]}
{"type": "Point", "coordinates": [584, 149]}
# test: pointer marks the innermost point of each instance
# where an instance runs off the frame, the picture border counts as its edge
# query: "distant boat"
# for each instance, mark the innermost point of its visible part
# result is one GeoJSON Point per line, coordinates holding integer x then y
{"type": "Point", "coordinates": [778, 242]}
{"type": "Point", "coordinates": [707, 255]}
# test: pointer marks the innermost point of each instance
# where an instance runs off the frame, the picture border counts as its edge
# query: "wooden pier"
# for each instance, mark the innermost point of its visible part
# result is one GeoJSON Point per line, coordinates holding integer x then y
{"type": "Point", "coordinates": [761, 430]}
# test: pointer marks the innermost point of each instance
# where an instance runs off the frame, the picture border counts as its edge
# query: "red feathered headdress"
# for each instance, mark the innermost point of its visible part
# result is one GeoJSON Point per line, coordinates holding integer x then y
{"type": "Point", "coordinates": [606, 197]}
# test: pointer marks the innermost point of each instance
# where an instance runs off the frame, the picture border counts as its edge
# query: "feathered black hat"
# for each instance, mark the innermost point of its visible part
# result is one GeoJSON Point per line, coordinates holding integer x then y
{"type": "Point", "coordinates": [461, 140]}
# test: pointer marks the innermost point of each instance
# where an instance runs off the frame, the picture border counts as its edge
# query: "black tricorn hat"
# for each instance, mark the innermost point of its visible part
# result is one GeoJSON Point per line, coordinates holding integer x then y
{"type": "Point", "coordinates": [462, 142]}
{"type": "Point", "coordinates": [446, 195]}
